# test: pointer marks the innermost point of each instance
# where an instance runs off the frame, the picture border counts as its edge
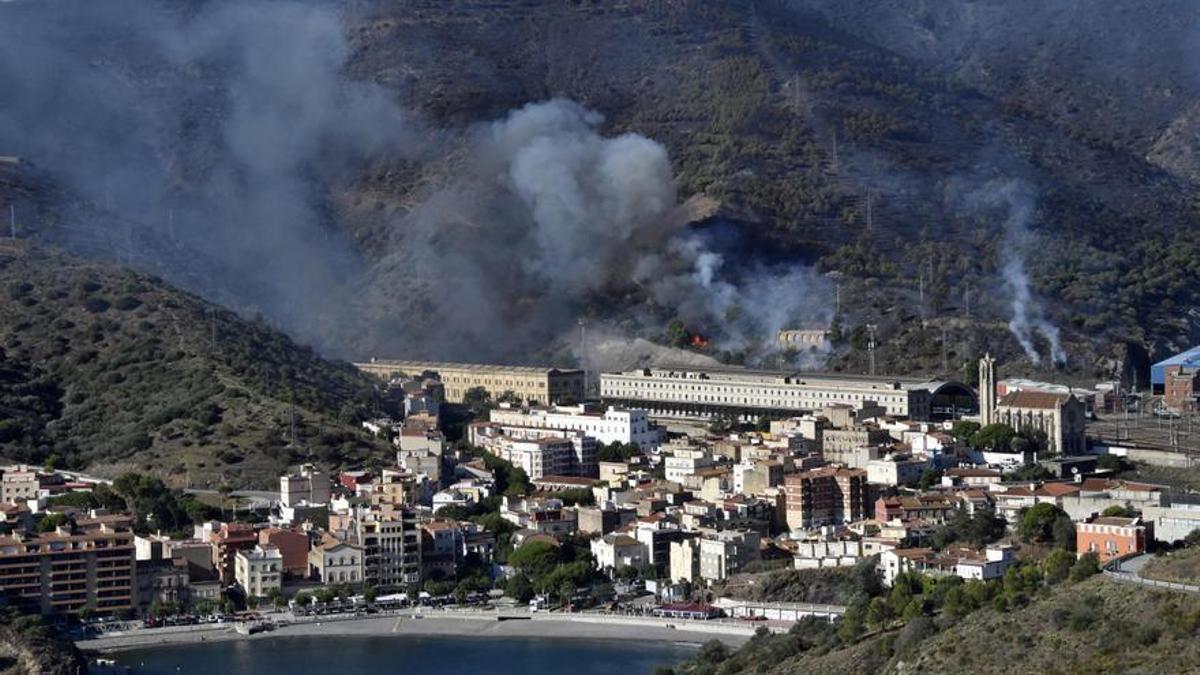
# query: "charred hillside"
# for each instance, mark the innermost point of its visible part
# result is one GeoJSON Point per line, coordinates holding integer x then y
{"type": "Point", "coordinates": [107, 370]}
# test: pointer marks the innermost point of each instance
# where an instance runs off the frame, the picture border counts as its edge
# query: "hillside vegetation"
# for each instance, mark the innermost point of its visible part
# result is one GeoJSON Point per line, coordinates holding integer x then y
{"type": "Point", "coordinates": [1092, 626]}
{"type": "Point", "coordinates": [108, 370]}
{"type": "Point", "coordinates": [792, 124]}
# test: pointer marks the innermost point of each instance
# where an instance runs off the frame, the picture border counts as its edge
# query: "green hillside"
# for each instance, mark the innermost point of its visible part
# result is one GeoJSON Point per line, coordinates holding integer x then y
{"type": "Point", "coordinates": [107, 370]}
{"type": "Point", "coordinates": [1092, 626]}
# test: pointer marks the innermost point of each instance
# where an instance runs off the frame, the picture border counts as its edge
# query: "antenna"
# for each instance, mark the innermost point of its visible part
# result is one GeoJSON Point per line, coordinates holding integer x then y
{"type": "Point", "coordinates": [871, 346]}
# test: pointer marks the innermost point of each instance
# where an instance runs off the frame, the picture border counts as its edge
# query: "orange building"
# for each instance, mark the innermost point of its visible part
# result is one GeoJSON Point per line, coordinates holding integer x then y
{"type": "Point", "coordinates": [1112, 537]}
{"type": "Point", "coordinates": [292, 545]}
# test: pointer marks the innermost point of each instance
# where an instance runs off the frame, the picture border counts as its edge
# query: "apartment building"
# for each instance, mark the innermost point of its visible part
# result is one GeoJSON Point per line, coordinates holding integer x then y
{"type": "Point", "coordinates": [90, 565]}
{"type": "Point", "coordinates": [391, 543]}
{"type": "Point", "coordinates": [530, 384]}
{"type": "Point", "coordinates": [539, 451]}
{"type": "Point", "coordinates": [259, 570]}
{"type": "Point", "coordinates": [18, 484]}
{"type": "Point", "coordinates": [613, 425]}
{"type": "Point", "coordinates": [309, 485]}
{"type": "Point", "coordinates": [826, 496]}
{"type": "Point", "coordinates": [727, 552]}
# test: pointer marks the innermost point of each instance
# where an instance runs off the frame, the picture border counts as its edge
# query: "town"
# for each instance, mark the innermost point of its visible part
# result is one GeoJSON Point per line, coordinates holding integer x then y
{"type": "Point", "coordinates": [511, 493]}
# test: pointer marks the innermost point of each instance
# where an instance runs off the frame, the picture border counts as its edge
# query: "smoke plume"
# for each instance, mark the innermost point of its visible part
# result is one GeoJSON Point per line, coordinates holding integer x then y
{"type": "Point", "coordinates": [202, 138]}
{"type": "Point", "coordinates": [209, 145]}
{"type": "Point", "coordinates": [548, 219]}
{"type": "Point", "coordinates": [1027, 313]}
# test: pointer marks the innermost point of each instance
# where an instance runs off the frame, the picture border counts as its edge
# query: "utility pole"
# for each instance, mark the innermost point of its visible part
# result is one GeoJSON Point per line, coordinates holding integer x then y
{"type": "Point", "coordinates": [171, 224]}
{"type": "Point", "coordinates": [835, 151]}
{"type": "Point", "coordinates": [212, 323]}
{"type": "Point", "coordinates": [12, 221]}
{"type": "Point", "coordinates": [967, 301]}
{"type": "Point", "coordinates": [870, 217]}
{"type": "Point", "coordinates": [871, 328]}
{"type": "Point", "coordinates": [945, 352]}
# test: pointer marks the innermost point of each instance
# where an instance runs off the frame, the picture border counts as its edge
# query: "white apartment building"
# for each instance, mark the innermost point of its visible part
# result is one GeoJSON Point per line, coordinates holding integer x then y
{"type": "Point", "coordinates": [684, 462]}
{"type": "Point", "coordinates": [895, 470]}
{"type": "Point", "coordinates": [619, 425]}
{"type": "Point", "coordinates": [309, 485]}
{"type": "Point", "coordinates": [539, 451]}
{"type": "Point", "coordinates": [259, 570]}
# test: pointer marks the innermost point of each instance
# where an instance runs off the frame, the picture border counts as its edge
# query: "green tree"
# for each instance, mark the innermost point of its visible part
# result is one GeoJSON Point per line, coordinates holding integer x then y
{"type": "Point", "coordinates": [1119, 511]}
{"type": "Point", "coordinates": [1087, 565]}
{"type": "Point", "coordinates": [996, 437]}
{"type": "Point", "coordinates": [519, 588]}
{"type": "Point", "coordinates": [478, 400]}
{"type": "Point", "coordinates": [535, 558]}
{"type": "Point", "coordinates": [879, 613]}
{"type": "Point", "coordinates": [1057, 565]}
{"type": "Point", "coordinates": [51, 521]}
{"type": "Point", "coordinates": [929, 478]}
{"type": "Point", "coordinates": [1037, 522]}
{"type": "Point", "coordinates": [963, 430]}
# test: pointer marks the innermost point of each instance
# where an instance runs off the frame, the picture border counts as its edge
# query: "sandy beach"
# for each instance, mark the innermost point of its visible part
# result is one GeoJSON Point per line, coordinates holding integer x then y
{"type": "Point", "coordinates": [548, 626]}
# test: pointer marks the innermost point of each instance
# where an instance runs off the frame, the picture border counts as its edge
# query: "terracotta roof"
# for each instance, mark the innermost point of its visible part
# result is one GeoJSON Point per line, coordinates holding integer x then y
{"type": "Point", "coordinates": [1056, 489]}
{"type": "Point", "coordinates": [1102, 484]}
{"type": "Point", "coordinates": [1032, 399]}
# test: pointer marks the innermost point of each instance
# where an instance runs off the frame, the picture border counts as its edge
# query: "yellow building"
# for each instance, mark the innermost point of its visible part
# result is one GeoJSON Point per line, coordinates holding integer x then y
{"type": "Point", "coordinates": [531, 384]}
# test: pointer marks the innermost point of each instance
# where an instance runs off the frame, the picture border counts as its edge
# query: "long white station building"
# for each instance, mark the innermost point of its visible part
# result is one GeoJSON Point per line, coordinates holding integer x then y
{"type": "Point", "coordinates": [705, 393]}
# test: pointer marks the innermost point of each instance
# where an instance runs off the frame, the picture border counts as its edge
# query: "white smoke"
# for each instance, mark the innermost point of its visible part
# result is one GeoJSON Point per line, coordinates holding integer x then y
{"type": "Point", "coordinates": [1028, 315]}
{"type": "Point", "coordinates": [548, 217]}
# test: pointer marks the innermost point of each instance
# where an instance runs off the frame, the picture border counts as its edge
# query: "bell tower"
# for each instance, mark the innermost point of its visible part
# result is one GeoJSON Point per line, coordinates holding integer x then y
{"type": "Point", "coordinates": [987, 390]}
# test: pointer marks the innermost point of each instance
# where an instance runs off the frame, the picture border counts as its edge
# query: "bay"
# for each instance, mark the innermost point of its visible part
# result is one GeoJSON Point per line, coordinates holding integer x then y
{"type": "Point", "coordinates": [408, 655]}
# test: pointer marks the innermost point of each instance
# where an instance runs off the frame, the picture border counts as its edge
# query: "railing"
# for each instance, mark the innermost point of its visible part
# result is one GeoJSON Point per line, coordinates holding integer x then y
{"type": "Point", "coordinates": [1113, 570]}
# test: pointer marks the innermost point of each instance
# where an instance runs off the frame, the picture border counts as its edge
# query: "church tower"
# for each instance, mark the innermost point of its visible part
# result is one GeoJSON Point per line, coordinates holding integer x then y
{"type": "Point", "coordinates": [987, 390]}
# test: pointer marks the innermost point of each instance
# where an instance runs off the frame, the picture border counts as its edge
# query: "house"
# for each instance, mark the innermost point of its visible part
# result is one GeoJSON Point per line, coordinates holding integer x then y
{"type": "Point", "coordinates": [615, 552]}
{"type": "Point", "coordinates": [992, 563]}
{"type": "Point", "coordinates": [335, 562]}
{"type": "Point", "coordinates": [1112, 537]}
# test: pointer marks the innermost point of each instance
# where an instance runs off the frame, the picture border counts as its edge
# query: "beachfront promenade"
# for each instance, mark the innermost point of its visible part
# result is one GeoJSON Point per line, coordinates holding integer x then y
{"type": "Point", "coordinates": [446, 622]}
